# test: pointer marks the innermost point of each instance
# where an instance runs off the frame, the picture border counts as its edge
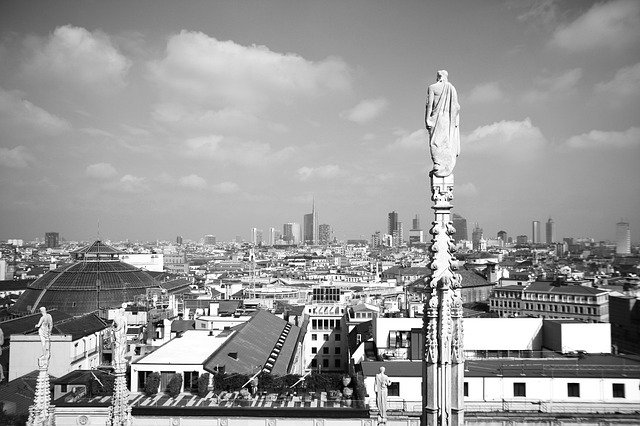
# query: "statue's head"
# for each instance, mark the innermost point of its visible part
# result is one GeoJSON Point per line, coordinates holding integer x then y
{"type": "Point", "coordinates": [442, 75]}
{"type": "Point", "coordinates": [124, 306]}
{"type": "Point", "coordinates": [43, 310]}
{"type": "Point", "coordinates": [382, 370]}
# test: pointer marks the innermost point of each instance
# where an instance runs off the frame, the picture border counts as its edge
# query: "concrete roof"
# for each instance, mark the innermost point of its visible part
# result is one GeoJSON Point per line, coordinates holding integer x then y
{"type": "Point", "coordinates": [194, 347]}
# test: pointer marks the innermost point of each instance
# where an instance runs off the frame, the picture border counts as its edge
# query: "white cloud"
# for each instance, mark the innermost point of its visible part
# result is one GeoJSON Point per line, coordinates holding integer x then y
{"type": "Point", "coordinates": [486, 93]}
{"type": "Point", "coordinates": [129, 184]}
{"type": "Point", "coordinates": [624, 85]}
{"type": "Point", "coordinates": [466, 190]}
{"type": "Point", "coordinates": [415, 140]}
{"type": "Point", "coordinates": [231, 151]}
{"type": "Point", "coordinates": [513, 140]}
{"type": "Point", "coordinates": [541, 13]}
{"type": "Point", "coordinates": [328, 171]}
{"type": "Point", "coordinates": [226, 187]}
{"type": "Point", "coordinates": [15, 111]}
{"type": "Point", "coordinates": [218, 74]}
{"type": "Point", "coordinates": [101, 171]}
{"type": "Point", "coordinates": [365, 111]}
{"type": "Point", "coordinates": [192, 181]}
{"type": "Point", "coordinates": [16, 158]}
{"type": "Point", "coordinates": [73, 54]}
{"type": "Point", "coordinates": [613, 24]}
{"type": "Point", "coordinates": [599, 140]}
{"type": "Point", "coordinates": [546, 87]}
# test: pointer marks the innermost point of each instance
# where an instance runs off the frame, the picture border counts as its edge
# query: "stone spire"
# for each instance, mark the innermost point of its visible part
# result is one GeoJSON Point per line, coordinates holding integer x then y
{"type": "Point", "coordinates": [443, 365]}
{"type": "Point", "coordinates": [41, 412]}
{"type": "Point", "coordinates": [120, 411]}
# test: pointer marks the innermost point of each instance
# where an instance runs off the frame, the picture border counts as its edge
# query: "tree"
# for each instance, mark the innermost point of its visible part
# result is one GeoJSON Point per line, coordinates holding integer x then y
{"type": "Point", "coordinates": [175, 385]}
{"type": "Point", "coordinates": [152, 384]}
{"type": "Point", "coordinates": [203, 385]}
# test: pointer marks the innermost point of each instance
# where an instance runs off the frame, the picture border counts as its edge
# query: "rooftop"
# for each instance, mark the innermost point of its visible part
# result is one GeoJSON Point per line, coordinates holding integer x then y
{"type": "Point", "coordinates": [194, 347]}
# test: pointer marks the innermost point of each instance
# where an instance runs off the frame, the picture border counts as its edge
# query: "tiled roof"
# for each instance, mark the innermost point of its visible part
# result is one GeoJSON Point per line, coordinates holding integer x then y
{"type": "Point", "coordinates": [80, 326]}
{"type": "Point", "coordinates": [252, 344]}
{"type": "Point", "coordinates": [20, 391]}
{"type": "Point", "coordinates": [13, 285]}
{"type": "Point", "coordinates": [27, 323]}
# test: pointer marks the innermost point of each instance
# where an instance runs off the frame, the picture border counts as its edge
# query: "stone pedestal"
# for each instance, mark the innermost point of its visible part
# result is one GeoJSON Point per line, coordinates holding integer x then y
{"type": "Point", "coordinates": [443, 365]}
{"type": "Point", "coordinates": [120, 411]}
{"type": "Point", "coordinates": [41, 412]}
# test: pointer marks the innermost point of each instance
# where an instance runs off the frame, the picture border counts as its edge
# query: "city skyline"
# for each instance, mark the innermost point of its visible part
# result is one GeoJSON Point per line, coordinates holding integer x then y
{"type": "Point", "coordinates": [160, 120]}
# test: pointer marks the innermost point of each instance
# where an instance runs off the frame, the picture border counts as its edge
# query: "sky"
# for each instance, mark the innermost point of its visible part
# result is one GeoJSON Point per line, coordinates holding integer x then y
{"type": "Point", "coordinates": [162, 118]}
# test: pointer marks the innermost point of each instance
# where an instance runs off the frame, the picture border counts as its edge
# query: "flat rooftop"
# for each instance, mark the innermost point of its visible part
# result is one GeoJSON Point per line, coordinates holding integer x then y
{"type": "Point", "coordinates": [194, 347]}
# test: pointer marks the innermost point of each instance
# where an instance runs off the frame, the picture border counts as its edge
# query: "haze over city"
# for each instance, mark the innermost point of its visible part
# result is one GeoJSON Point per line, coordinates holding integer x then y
{"type": "Point", "coordinates": [161, 118]}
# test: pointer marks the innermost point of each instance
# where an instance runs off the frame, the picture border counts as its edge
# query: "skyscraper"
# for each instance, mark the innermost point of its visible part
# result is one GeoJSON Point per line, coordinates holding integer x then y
{"type": "Point", "coordinates": [535, 232]}
{"type": "Point", "coordinates": [476, 236]}
{"type": "Point", "coordinates": [550, 229]}
{"type": "Point", "coordinates": [502, 235]}
{"type": "Point", "coordinates": [460, 223]}
{"type": "Point", "coordinates": [324, 233]}
{"type": "Point", "coordinates": [272, 237]}
{"type": "Point", "coordinates": [311, 226]}
{"type": "Point", "coordinates": [623, 238]}
{"type": "Point", "coordinates": [179, 240]}
{"type": "Point", "coordinates": [416, 223]}
{"type": "Point", "coordinates": [392, 222]}
{"type": "Point", "coordinates": [52, 239]}
{"type": "Point", "coordinates": [291, 233]}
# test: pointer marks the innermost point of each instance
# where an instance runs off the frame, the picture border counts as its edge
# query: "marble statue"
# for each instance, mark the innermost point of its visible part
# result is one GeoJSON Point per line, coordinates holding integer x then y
{"type": "Point", "coordinates": [119, 337]}
{"type": "Point", "coordinates": [380, 386]}
{"type": "Point", "coordinates": [442, 119]}
{"type": "Point", "coordinates": [44, 327]}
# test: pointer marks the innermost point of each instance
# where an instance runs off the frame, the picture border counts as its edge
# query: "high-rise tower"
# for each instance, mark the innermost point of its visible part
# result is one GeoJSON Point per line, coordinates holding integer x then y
{"type": "Point", "coordinates": [623, 238]}
{"type": "Point", "coordinates": [550, 233]}
{"type": "Point", "coordinates": [392, 222]}
{"type": "Point", "coordinates": [460, 223]}
{"type": "Point", "coordinates": [311, 226]}
{"type": "Point", "coordinates": [535, 232]}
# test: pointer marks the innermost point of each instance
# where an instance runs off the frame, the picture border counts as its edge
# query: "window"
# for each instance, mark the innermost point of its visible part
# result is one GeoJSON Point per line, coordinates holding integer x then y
{"type": "Point", "coordinates": [314, 363]}
{"type": "Point", "coordinates": [337, 350]}
{"type": "Point", "coordinates": [314, 336]}
{"type": "Point", "coordinates": [394, 389]}
{"type": "Point", "coordinates": [519, 389]}
{"type": "Point", "coordinates": [325, 350]}
{"type": "Point", "coordinates": [63, 388]}
{"type": "Point", "coordinates": [399, 339]}
{"type": "Point", "coordinates": [466, 388]}
{"type": "Point", "coordinates": [337, 337]}
{"type": "Point", "coordinates": [358, 338]}
{"type": "Point", "coordinates": [325, 362]}
{"type": "Point", "coordinates": [336, 363]}
{"type": "Point", "coordinates": [573, 390]}
{"type": "Point", "coordinates": [314, 350]}
{"type": "Point", "coordinates": [325, 337]}
{"type": "Point", "coordinates": [618, 390]}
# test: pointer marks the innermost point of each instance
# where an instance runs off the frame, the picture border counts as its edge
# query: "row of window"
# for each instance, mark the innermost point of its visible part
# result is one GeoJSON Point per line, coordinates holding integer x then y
{"type": "Point", "coordinates": [325, 324]}
{"type": "Point", "coordinates": [399, 339]}
{"type": "Point", "coordinates": [561, 308]}
{"type": "Point", "coordinates": [573, 390]}
{"type": "Point", "coordinates": [558, 298]}
{"type": "Point", "coordinates": [325, 350]}
{"type": "Point", "coordinates": [325, 363]}
{"type": "Point", "coordinates": [325, 337]}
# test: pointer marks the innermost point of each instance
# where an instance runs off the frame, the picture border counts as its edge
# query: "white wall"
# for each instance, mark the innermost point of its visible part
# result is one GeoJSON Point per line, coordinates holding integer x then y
{"type": "Point", "coordinates": [589, 337]}
{"type": "Point", "coordinates": [502, 333]}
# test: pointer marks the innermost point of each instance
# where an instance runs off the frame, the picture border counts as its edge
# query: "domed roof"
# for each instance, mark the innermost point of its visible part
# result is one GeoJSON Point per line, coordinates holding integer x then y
{"type": "Point", "coordinates": [96, 279]}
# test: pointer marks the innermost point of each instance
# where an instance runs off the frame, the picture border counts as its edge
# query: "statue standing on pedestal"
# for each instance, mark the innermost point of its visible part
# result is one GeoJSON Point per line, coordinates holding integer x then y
{"type": "Point", "coordinates": [44, 327]}
{"type": "Point", "coordinates": [119, 337]}
{"type": "Point", "coordinates": [380, 386]}
{"type": "Point", "coordinates": [442, 119]}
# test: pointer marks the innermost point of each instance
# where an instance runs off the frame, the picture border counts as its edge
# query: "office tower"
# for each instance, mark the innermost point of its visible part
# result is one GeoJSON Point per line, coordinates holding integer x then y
{"type": "Point", "coordinates": [623, 238]}
{"type": "Point", "coordinates": [398, 235]}
{"type": "Point", "coordinates": [52, 239]}
{"type": "Point", "coordinates": [311, 226]}
{"type": "Point", "coordinates": [416, 223]}
{"type": "Point", "coordinates": [259, 237]}
{"type": "Point", "coordinates": [376, 239]}
{"type": "Point", "coordinates": [460, 223]}
{"type": "Point", "coordinates": [550, 232]}
{"type": "Point", "coordinates": [535, 232]}
{"type": "Point", "coordinates": [392, 222]}
{"type": "Point", "coordinates": [179, 240]}
{"type": "Point", "coordinates": [291, 233]}
{"type": "Point", "coordinates": [502, 235]}
{"type": "Point", "coordinates": [272, 237]}
{"type": "Point", "coordinates": [324, 233]}
{"type": "Point", "coordinates": [209, 240]}
{"type": "Point", "coordinates": [522, 239]}
{"type": "Point", "coordinates": [254, 236]}
{"type": "Point", "coordinates": [476, 236]}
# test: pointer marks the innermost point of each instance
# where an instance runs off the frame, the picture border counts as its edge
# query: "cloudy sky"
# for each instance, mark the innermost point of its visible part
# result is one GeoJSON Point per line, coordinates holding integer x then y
{"type": "Point", "coordinates": [159, 118]}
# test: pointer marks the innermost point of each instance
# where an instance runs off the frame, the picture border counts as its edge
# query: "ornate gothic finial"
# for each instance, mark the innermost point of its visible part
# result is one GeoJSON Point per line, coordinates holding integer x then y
{"type": "Point", "coordinates": [41, 412]}
{"type": "Point", "coordinates": [120, 411]}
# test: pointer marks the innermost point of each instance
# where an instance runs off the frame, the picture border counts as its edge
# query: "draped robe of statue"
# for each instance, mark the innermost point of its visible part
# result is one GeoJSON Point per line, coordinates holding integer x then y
{"type": "Point", "coordinates": [442, 120]}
